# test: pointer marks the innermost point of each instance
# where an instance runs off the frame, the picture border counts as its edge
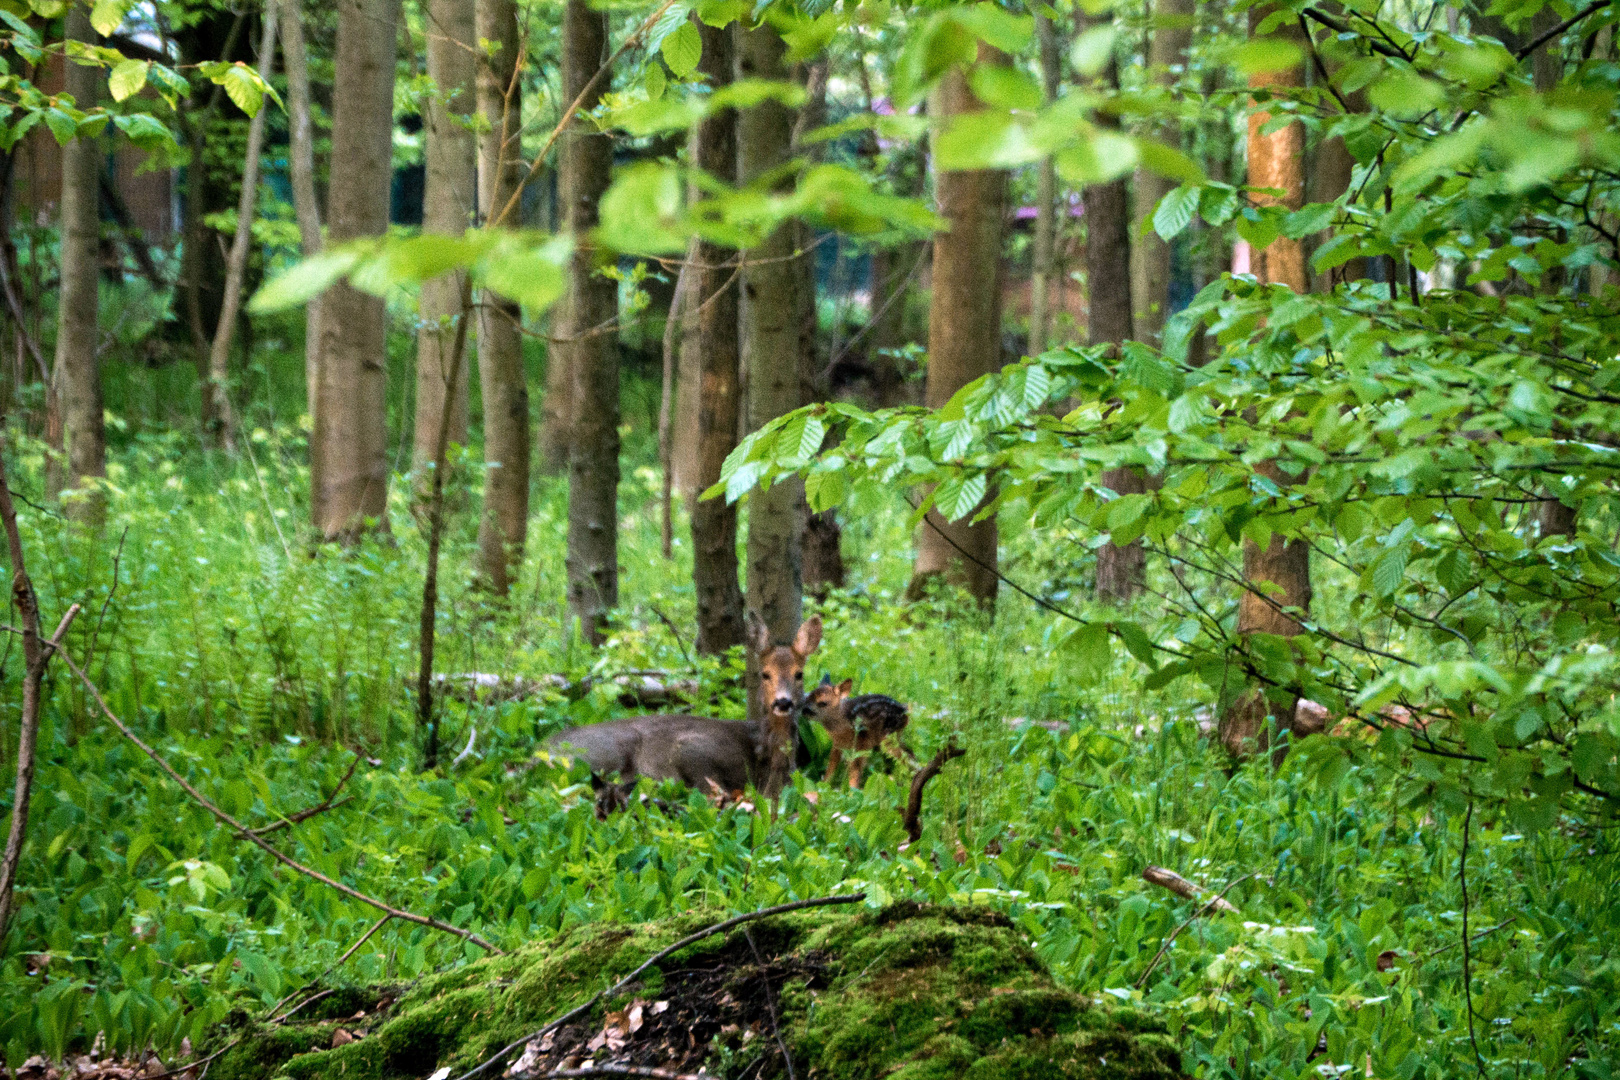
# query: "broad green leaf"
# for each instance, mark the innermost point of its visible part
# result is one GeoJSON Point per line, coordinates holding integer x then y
{"type": "Point", "coordinates": [127, 79]}
{"type": "Point", "coordinates": [1005, 87]}
{"type": "Point", "coordinates": [682, 50]}
{"type": "Point", "coordinates": [63, 126]}
{"type": "Point", "coordinates": [243, 87]}
{"type": "Point", "coordinates": [305, 280]}
{"type": "Point", "coordinates": [530, 276]}
{"type": "Point", "coordinates": [1099, 156]}
{"type": "Point", "coordinates": [1267, 56]}
{"type": "Point", "coordinates": [642, 210]}
{"type": "Point", "coordinates": [989, 139]}
{"type": "Point", "coordinates": [1175, 211]}
{"type": "Point", "coordinates": [996, 26]}
{"type": "Point", "coordinates": [107, 15]}
{"type": "Point", "coordinates": [1093, 49]}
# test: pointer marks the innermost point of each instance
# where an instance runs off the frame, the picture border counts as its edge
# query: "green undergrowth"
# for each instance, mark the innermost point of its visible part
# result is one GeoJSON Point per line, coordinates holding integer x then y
{"type": "Point", "coordinates": [915, 992]}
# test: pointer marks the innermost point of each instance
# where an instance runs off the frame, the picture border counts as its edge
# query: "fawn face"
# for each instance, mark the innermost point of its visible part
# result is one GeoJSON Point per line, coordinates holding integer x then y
{"type": "Point", "coordinates": [827, 699]}
{"type": "Point", "coordinates": [781, 667]}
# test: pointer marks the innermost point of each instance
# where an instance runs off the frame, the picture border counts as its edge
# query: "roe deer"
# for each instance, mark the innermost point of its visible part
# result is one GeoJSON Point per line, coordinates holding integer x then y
{"type": "Point", "coordinates": [700, 751]}
{"type": "Point", "coordinates": [857, 724]}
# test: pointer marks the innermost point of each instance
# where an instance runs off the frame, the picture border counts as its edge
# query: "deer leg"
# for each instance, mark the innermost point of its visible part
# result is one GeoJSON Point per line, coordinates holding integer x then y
{"type": "Point", "coordinates": [855, 764]}
{"type": "Point", "coordinates": [833, 760]}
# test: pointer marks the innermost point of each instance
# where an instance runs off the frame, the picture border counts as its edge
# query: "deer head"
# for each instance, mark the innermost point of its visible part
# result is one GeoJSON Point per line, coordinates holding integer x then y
{"type": "Point", "coordinates": [781, 666]}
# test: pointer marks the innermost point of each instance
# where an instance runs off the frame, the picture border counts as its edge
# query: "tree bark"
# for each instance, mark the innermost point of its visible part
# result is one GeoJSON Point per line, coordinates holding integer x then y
{"type": "Point", "coordinates": [771, 346]}
{"type": "Point", "coordinates": [1110, 320]}
{"type": "Point", "coordinates": [679, 304]}
{"type": "Point", "coordinates": [714, 522]}
{"type": "Point", "coordinates": [449, 199]}
{"type": "Point", "coordinates": [301, 166]}
{"type": "Point", "coordinates": [1170, 41]}
{"type": "Point", "coordinates": [964, 337]}
{"type": "Point", "coordinates": [217, 387]}
{"type": "Point", "coordinates": [1043, 256]}
{"type": "Point", "coordinates": [349, 450]}
{"type": "Point", "coordinates": [77, 365]}
{"type": "Point", "coordinates": [1278, 576]}
{"type": "Point", "coordinates": [592, 561]}
{"type": "Point", "coordinates": [503, 528]}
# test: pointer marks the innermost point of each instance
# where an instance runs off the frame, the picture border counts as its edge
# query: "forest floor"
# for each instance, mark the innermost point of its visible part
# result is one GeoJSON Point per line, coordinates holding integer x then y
{"type": "Point", "coordinates": [263, 675]}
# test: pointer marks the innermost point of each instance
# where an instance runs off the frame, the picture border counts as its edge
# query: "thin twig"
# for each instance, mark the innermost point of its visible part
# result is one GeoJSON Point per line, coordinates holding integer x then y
{"type": "Point", "coordinates": [1171, 940]}
{"type": "Point", "coordinates": [717, 928]}
{"type": "Point", "coordinates": [1510, 920]}
{"type": "Point", "coordinates": [339, 962]}
{"type": "Point", "coordinates": [325, 805]}
{"type": "Point", "coordinates": [1468, 989]}
{"type": "Point", "coordinates": [1590, 9]}
{"type": "Point", "coordinates": [770, 1004]}
{"type": "Point", "coordinates": [912, 816]}
{"type": "Point", "coordinates": [249, 835]}
{"type": "Point", "coordinates": [101, 616]}
{"type": "Point", "coordinates": [574, 106]}
{"type": "Point", "coordinates": [674, 632]}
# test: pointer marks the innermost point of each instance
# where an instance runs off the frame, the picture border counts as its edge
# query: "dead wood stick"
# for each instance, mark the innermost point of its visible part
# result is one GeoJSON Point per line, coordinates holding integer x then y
{"type": "Point", "coordinates": [1172, 938]}
{"type": "Point", "coordinates": [272, 1018]}
{"type": "Point", "coordinates": [254, 838]}
{"type": "Point", "coordinates": [619, 1070]}
{"type": "Point", "coordinates": [1169, 879]}
{"type": "Point", "coordinates": [305, 815]}
{"type": "Point", "coordinates": [709, 931]}
{"type": "Point", "coordinates": [913, 811]}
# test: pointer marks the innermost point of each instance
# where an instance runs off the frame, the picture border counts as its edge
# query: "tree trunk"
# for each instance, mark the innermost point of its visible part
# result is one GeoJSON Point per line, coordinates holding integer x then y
{"type": "Point", "coordinates": [964, 336]}
{"type": "Point", "coordinates": [217, 388]}
{"type": "Point", "coordinates": [1043, 255]}
{"type": "Point", "coordinates": [349, 449]}
{"type": "Point", "coordinates": [503, 528]}
{"type": "Point", "coordinates": [449, 199]}
{"type": "Point", "coordinates": [771, 346]}
{"type": "Point", "coordinates": [1110, 320]}
{"type": "Point", "coordinates": [1279, 575]}
{"type": "Point", "coordinates": [593, 351]}
{"type": "Point", "coordinates": [301, 166]}
{"type": "Point", "coordinates": [680, 303]}
{"type": "Point", "coordinates": [77, 365]}
{"type": "Point", "coordinates": [714, 523]}
{"type": "Point", "coordinates": [1171, 38]}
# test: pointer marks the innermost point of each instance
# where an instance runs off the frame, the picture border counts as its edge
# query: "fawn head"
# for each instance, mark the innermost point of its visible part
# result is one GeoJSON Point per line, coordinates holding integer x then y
{"type": "Point", "coordinates": [781, 667]}
{"type": "Point", "coordinates": [828, 697]}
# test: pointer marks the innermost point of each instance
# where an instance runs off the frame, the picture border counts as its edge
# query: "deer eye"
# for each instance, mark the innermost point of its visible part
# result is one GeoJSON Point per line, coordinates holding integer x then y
{"type": "Point", "coordinates": [799, 675]}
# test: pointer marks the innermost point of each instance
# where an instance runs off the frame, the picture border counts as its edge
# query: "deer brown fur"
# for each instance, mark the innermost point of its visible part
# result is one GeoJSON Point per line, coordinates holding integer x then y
{"type": "Point", "coordinates": [857, 725]}
{"type": "Point", "coordinates": [701, 751]}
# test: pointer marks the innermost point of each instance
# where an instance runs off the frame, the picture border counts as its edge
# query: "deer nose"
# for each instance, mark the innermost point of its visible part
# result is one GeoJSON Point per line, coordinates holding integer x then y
{"type": "Point", "coordinates": [782, 704]}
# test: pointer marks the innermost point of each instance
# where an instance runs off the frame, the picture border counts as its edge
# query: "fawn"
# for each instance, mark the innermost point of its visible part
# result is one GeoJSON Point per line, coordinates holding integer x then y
{"type": "Point", "coordinates": [857, 724]}
{"type": "Point", "coordinates": [700, 751]}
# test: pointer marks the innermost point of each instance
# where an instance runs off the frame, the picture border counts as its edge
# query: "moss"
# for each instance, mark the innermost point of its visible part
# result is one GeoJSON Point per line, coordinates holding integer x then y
{"type": "Point", "coordinates": [913, 992]}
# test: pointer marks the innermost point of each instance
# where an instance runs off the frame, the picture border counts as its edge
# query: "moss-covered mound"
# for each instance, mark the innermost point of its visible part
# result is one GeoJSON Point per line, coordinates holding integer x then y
{"type": "Point", "coordinates": [910, 993]}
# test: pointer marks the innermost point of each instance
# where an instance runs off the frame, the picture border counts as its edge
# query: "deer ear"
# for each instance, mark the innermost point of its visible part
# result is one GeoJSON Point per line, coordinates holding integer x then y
{"type": "Point", "coordinates": [759, 635]}
{"type": "Point", "coordinates": [844, 687]}
{"type": "Point", "coordinates": [808, 639]}
{"type": "Point", "coordinates": [826, 679]}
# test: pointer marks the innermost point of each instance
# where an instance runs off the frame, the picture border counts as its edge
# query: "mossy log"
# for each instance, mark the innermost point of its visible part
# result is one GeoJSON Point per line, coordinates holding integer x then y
{"type": "Point", "coordinates": [911, 992]}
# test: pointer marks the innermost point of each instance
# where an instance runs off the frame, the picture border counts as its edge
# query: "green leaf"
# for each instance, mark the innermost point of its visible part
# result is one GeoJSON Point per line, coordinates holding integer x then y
{"type": "Point", "coordinates": [1137, 641]}
{"type": "Point", "coordinates": [145, 131]}
{"type": "Point", "coordinates": [1005, 87]}
{"type": "Point", "coordinates": [667, 113]}
{"type": "Point", "coordinates": [127, 79]}
{"type": "Point", "coordinates": [63, 126]}
{"type": "Point", "coordinates": [682, 50]}
{"type": "Point", "coordinates": [1266, 56]}
{"type": "Point", "coordinates": [747, 93]}
{"type": "Point", "coordinates": [989, 139]}
{"type": "Point", "coordinates": [641, 211]}
{"type": "Point", "coordinates": [1093, 49]}
{"type": "Point", "coordinates": [1090, 650]}
{"type": "Point", "coordinates": [107, 15]}
{"type": "Point", "coordinates": [1169, 162]}
{"type": "Point", "coordinates": [1100, 156]}
{"type": "Point", "coordinates": [1175, 211]}
{"type": "Point", "coordinates": [959, 496]}
{"type": "Point", "coordinates": [307, 279]}
{"type": "Point", "coordinates": [531, 276]}
{"type": "Point", "coordinates": [995, 26]}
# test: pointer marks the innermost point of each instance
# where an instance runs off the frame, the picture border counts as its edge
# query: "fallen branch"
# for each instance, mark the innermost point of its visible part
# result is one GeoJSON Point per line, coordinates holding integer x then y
{"type": "Point", "coordinates": [466, 751]}
{"type": "Point", "coordinates": [710, 931]}
{"type": "Point", "coordinates": [1169, 879]}
{"type": "Point", "coordinates": [645, 689]}
{"type": "Point", "coordinates": [913, 811]}
{"type": "Point", "coordinates": [620, 1070]}
{"type": "Point", "coordinates": [1173, 934]}
{"type": "Point", "coordinates": [305, 815]}
{"type": "Point", "coordinates": [254, 838]}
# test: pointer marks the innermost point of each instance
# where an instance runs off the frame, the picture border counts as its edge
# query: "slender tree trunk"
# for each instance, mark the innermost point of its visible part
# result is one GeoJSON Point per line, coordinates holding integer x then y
{"type": "Point", "coordinates": [771, 347]}
{"type": "Point", "coordinates": [301, 165]}
{"type": "Point", "coordinates": [714, 523]}
{"type": "Point", "coordinates": [217, 388]}
{"type": "Point", "coordinates": [1043, 256]}
{"type": "Point", "coordinates": [1278, 575]}
{"type": "Point", "coordinates": [1110, 320]}
{"type": "Point", "coordinates": [449, 199]}
{"type": "Point", "coordinates": [964, 336]}
{"type": "Point", "coordinates": [77, 365]}
{"type": "Point", "coordinates": [822, 559]}
{"type": "Point", "coordinates": [503, 529]}
{"type": "Point", "coordinates": [680, 302]}
{"type": "Point", "coordinates": [1170, 42]}
{"type": "Point", "coordinates": [593, 460]}
{"type": "Point", "coordinates": [349, 450]}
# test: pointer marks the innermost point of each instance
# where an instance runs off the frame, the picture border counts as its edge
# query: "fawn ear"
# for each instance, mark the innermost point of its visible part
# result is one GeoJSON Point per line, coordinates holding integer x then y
{"type": "Point", "coordinates": [759, 635]}
{"type": "Point", "coordinates": [844, 687]}
{"type": "Point", "coordinates": [808, 639]}
{"type": "Point", "coordinates": [826, 679]}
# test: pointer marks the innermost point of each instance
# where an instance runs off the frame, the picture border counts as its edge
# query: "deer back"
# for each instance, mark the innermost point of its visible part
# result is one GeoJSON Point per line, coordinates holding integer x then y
{"type": "Point", "coordinates": [691, 749]}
